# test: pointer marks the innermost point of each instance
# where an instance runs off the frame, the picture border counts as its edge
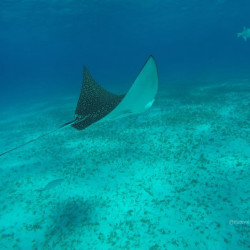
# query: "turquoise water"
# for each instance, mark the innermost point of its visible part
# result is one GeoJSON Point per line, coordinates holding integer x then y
{"type": "Point", "coordinates": [174, 177]}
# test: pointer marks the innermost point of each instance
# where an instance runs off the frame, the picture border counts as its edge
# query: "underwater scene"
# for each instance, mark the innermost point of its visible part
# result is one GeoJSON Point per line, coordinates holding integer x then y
{"type": "Point", "coordinates": [125, 124]}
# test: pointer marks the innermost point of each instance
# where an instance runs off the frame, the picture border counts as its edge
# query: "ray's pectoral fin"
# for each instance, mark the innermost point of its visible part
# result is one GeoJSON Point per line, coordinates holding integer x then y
{"type": "Point", "coordinates": [94, 102]}
{"type": "Point", "coordinates": [141, 95]}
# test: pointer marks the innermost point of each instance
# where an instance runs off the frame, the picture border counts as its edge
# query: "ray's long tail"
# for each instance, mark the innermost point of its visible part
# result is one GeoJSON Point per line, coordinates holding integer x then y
{"type": "Point", "coordinates": [39, 137]}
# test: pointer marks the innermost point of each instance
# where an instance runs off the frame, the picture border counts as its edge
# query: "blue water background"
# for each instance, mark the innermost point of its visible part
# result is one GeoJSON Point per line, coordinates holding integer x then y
{"type": "Point", "coordinates": [44, 44]}
{"type": "Point", "coordinates": [176, 176]}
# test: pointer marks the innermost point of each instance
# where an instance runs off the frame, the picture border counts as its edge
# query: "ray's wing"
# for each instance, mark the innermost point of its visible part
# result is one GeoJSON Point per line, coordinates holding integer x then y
{"type": "Point", "coordinates": [94, 102]}
{"type": "Point", "coordinates": [141, 95]}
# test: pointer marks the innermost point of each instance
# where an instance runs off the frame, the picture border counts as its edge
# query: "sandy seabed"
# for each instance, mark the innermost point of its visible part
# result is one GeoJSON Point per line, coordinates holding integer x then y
{"type": "Point", "coordinates": [175, 177]}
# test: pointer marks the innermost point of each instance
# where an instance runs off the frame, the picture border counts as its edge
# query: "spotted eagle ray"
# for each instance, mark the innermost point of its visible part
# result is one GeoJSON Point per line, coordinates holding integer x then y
{"type": "Point", "coordinates": [96, 104]}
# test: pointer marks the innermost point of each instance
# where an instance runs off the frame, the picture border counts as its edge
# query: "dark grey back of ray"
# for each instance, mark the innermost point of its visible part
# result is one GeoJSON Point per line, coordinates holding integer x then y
{"type": "Point", "coordinates": [94, 102]}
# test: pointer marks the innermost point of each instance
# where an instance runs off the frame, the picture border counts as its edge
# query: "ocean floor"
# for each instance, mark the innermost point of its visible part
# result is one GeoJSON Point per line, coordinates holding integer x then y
{"type": "Point", "coordinates": [174, 177]}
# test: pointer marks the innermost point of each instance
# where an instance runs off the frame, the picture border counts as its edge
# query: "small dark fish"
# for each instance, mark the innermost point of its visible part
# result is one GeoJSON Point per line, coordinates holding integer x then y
{"type": "Point", "coordinates": [50, 185]}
